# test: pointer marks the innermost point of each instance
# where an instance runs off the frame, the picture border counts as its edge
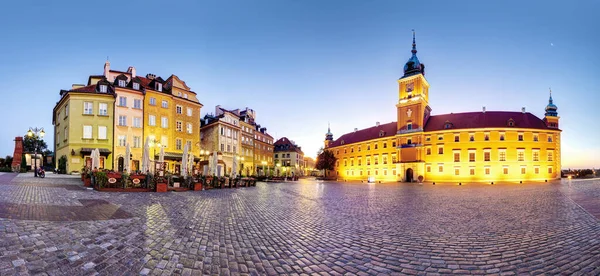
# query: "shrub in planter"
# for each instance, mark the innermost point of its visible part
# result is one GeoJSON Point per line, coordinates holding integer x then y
{"type": "Point", "coordinates": [101, 179]}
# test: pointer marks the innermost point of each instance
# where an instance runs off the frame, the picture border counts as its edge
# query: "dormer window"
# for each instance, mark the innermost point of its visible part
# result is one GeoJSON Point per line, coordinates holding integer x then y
{"type": "Point", "coordinates": [136, 86]}
{"type": "Point", "coordinates": [185, 96]}
{"type": "Point", "coordinates": [159, 86]}
{"type": "Point", "coordinates": [448, 125]}
{"type": "Point", "coordinates": [409, 126]}
{"type": "Point", "coordinates": [122, 83]}
{"type": "Point", "coordinates": [381, 133]}
{"type": "Point", "coordinates": [511, 122]}
{"type": "Point", "coordinates": [342, 142]}
{"type": "Point", "coordinates": [179, 94]}
{"type": "Point", "coordinates": [103, 88]}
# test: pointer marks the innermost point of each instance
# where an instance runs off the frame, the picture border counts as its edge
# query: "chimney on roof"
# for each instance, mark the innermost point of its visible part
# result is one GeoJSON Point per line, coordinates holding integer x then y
{"type": "Point", "coordinates": [355, 129]}
{"type": "Point", "coordinates": [75, 86]}
{"type": "Point", "coordinates": [376, 123]}
{"type": "Point", "coordinates": [218, 110]}
{"type": "Point", "coordinates": [106, 68]}
{"type": "Point", "coordinates": [523, 109]}
{"type": "Point", "coordinates": [150, 76]}
{"type": "Point", "coordinates": [131, 70]}
{"type": "Point", "coordinates": [484, 109]}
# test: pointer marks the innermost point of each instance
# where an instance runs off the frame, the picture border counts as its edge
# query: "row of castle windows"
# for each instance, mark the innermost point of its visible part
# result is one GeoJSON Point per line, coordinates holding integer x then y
{"type": "Point", "coordinates": [488, 170]}
{"type": "Point", "coordinates": [375, 146]}
{"type": "Point", "coordinates": [501, 154]}
{"type": "Point", "coordinates": [384, 160]}
{"type": "Point", "coordinates": [360, 172]}
{"type": "Point", "coordinates": [486, 137]}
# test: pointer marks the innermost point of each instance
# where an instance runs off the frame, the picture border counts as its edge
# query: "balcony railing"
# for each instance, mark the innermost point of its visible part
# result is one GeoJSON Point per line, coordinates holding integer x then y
{"type": "Point", "coordinates": [413, 145]}
{"type": "Point", "coordinates": [404, 131]}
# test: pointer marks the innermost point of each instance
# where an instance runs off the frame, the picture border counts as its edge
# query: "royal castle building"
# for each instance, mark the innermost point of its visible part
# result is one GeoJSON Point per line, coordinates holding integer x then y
{"type": "Point", "coordinates": [458, 147]}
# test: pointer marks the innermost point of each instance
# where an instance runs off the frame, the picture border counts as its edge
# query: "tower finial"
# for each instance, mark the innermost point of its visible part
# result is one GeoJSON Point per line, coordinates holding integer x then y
{"type": "Point", "coordinates": [328, 127]}
{"type": "Point", "coordinates": [414, 44]}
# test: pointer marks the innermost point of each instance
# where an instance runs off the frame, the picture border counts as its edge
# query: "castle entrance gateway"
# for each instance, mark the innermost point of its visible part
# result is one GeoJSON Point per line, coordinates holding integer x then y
{"type": "Point", "coordinates": [409, 175]}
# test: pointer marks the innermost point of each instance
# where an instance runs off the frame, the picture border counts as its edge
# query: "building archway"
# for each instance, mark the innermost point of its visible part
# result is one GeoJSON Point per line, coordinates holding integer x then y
{"type": "Point", "coordinates": [409, 175]}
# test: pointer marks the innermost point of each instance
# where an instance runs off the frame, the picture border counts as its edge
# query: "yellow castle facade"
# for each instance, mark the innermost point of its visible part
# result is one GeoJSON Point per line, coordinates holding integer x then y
{"type": "Point", "coordinates": [484, 146]}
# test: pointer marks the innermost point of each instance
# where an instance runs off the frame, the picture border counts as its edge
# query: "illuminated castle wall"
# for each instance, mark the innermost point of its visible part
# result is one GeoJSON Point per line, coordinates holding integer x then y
{"type": "Point", "coordinates": [457, 147]}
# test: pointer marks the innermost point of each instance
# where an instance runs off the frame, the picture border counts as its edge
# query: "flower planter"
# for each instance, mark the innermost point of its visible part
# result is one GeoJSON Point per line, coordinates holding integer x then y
{"type": "Point", "coordinates": [209, 183]}
{"type": "Point", "coordinates": [87, 182]}
{"type": "Point", "coordinates": [138, 179]}
{"type": "Point", "coordinates": [113, 178]}
{"type": "Point", "coordinates": [198, 186]}
{"type": "Point", "coordinates": [161, 187]}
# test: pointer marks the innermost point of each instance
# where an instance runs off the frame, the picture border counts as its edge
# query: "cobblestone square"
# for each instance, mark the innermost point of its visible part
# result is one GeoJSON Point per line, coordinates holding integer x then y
{"type": "Point", "coordinates": [52, 226]}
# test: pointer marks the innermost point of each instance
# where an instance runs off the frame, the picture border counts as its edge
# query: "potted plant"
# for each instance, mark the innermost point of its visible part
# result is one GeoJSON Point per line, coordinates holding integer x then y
{"type": "Point", "coordinates": [101, 180]}
{"type": "Point", "coordinates": [161, 184]}
{"type": "Point", "coordinates": [197, 181]}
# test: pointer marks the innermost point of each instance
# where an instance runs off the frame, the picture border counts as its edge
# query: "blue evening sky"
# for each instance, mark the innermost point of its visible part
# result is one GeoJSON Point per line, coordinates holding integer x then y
{"type": "Point", "coordinates": [301, 64]}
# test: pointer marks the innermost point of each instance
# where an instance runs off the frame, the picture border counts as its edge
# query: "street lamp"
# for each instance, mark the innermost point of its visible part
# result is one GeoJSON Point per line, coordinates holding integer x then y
{"type": "Point", "coordinates": [263, 170]}
{"type": "Point", "coordinates": [31, 132]}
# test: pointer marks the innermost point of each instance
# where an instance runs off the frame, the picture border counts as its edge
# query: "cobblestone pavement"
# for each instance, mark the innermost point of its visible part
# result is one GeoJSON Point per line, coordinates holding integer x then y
{"type": "Point", "coordinates": [306, 227]}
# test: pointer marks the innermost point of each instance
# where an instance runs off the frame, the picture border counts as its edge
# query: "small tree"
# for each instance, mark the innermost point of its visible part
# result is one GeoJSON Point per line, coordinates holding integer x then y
{"type": "Point", "coordinates": [62, 164]}
{"type": "Point", "coordinates": [8, 161]}
{"type": "Point", "coordinates": [29, 144]}
{"type": "Point", "coordinates": [325, 161]}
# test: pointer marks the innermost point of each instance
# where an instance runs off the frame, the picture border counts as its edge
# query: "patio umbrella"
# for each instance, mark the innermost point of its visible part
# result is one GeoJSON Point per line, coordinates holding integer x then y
{"type": "Point", "coordinates": [191, 163]}
{"type": "Point", "coordinates": [215, 163]}
{"type": "Point", "coordinates": [127, 161]}
{"type": "Point", "coordinates": [210, 167]}
{"type": "Point", "coordinates": [184, 161]}
{"type": "Point", "coordinates": [95, 158]}
{"type": "Point", "coordinates": [234, 167]}
{"type": "Point", "coordinates": [146, 157]}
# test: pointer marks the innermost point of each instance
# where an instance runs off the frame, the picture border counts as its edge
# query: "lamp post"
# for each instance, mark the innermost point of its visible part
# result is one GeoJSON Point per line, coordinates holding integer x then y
{"type": "Point", "coordinates": [31, 132]}
{"type": "Point", "coordinates": [155, 144]}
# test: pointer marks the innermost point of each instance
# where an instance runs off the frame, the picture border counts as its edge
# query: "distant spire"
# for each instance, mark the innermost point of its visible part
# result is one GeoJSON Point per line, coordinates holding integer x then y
{"type": "Point", "coordinates": [551, 109]}
{"type": "Point", "coordinates": [414, 45]}
{"type": "Point", "coordinates": [328, 127]}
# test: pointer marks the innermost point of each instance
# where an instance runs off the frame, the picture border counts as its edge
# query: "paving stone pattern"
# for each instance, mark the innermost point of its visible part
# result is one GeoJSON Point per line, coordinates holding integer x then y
{"type": "Point", "coordinates": [306, 227]}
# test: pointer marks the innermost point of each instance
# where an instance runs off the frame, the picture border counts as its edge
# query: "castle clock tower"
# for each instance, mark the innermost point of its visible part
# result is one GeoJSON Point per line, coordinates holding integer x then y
{"type": "Point", "coordinates": [413, 111]}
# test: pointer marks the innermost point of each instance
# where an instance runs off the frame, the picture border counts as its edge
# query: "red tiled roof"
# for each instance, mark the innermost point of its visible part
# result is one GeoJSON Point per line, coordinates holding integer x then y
{"type": "Point", "coordinates": [284, 144]}
{"type": "Point", "coordinates": [389, 129]}
{"type": "Point", "coordinates": [144, 82]}
{"type": "Point", "coordinates": [489, 119]}
{"type": "Point", "coordinates": [88, 89]}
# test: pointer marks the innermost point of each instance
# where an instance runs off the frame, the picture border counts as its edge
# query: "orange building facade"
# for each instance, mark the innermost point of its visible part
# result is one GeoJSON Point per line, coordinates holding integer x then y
{"type": "Point", "coordinates": [483, 146]}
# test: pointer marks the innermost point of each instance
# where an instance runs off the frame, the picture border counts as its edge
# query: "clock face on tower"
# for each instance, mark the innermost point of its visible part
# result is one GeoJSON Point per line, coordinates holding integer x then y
{"type": "Point", "coordinates": [410, 87]}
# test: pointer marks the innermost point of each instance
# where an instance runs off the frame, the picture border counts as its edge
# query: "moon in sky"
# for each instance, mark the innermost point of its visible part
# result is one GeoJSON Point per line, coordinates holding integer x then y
{"type": "Point", "coordinates": [551, 44]}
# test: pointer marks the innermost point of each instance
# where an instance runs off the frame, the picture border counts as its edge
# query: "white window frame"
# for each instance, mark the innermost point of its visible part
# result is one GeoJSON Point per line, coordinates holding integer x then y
{"type": "Point", "coordinates": [88, 108]}
{"type": "Point", "coordinates": [151, 120]}
{"type": "Point", "coordinates": [88, 132]}
{"type": "Point", "coordinates": [122, 83]}
{"type": "Point", "coordinates": [122, 122]}
{"type": "Point", "coordinates": [102, 132]}
{"type": "Point", "coordinates": [122, 101]}
{"type": "Point", "coordinates": [136, 86]}
{"type": "Point", "coordinates": [164, 122]}
{"type": "Point", "coordinates": [100, 109]}
{"type": "Point", "coordinates": [137, 122]}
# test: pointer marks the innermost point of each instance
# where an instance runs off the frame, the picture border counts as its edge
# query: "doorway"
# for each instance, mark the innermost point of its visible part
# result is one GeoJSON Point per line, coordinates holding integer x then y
{"type": "Point", "coordinates": [121, 163]}
{"type": "Point", "coordinates": [409, 175]}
